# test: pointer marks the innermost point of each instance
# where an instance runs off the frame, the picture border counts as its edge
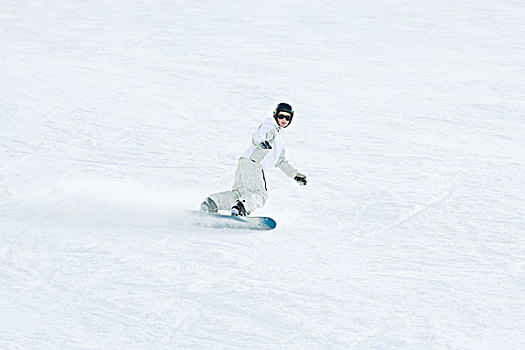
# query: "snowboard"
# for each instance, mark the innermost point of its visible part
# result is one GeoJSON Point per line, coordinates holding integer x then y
{"type": "Point", "coordinates": [236, 222]}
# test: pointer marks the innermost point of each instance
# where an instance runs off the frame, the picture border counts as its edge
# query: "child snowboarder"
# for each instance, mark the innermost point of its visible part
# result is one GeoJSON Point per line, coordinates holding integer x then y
{"type": "Point", "coordinates": [265, 151]}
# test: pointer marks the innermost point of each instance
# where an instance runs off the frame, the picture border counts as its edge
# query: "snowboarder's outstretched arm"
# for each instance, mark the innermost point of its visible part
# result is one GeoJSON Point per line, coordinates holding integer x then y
{"type": "Point", "coordinates": [285, 165]}
{"type": "Point", "coordinates": [289, 170]}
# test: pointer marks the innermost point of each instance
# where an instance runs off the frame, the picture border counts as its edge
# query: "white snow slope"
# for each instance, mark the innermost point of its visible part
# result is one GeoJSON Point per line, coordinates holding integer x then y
{"type": "Point", "coordinates": [409, 124]}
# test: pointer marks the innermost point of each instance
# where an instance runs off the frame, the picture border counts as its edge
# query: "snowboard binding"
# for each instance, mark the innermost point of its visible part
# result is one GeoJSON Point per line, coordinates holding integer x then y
{"type": "Point", "coordinates": [239, 210]}
{"type": "Point", "coordinates": [209, 206]}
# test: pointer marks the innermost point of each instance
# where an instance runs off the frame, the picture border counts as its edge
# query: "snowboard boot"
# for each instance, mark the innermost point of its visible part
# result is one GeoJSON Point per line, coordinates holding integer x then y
{"type": "Point", "coordinates": [239, 210]}
{"type": "Point", "coordinates": [209, 206]}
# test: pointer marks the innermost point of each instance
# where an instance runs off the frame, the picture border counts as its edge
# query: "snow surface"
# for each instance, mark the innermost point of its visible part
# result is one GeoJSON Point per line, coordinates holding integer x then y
{"type": "Point", "coordinates": [409, 124]}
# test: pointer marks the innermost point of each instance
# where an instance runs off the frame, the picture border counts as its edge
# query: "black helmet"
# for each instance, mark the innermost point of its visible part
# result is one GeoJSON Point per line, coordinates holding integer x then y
{"type": "Point", "coordinates": [283, 107]}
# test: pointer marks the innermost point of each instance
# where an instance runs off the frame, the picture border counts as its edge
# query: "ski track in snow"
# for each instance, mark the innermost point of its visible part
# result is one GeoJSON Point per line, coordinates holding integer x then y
{"type": "Point", "coordinates": [409, 124]}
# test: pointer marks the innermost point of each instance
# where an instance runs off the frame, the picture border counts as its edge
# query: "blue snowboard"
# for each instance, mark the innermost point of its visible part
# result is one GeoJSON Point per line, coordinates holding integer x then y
{"type": "Point", "coordinates": [237, 222]}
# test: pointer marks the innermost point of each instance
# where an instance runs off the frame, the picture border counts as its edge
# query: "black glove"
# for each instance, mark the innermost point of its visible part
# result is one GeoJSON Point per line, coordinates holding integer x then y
{"type": "Point", "coordinates": [301, 179]}
{"type": "Point", "coordinates": [265, 145]}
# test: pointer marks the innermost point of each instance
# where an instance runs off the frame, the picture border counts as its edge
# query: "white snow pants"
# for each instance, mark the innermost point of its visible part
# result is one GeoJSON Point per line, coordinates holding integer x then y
{"type": "Point", "coordinates": [249, 187]}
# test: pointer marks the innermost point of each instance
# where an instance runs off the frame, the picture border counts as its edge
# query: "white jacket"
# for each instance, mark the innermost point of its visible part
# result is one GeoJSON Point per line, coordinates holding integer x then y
{"type": "Point", "coordinates": [269, 158]}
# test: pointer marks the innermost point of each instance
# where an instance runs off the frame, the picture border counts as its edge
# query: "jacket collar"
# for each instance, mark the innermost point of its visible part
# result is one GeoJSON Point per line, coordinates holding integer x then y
{"type": "Point", "coordinates": [274, 123]}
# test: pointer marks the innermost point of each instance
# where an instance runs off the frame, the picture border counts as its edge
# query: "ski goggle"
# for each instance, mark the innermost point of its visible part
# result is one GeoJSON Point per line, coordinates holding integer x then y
{"type": "Point", "coordinates": [282, 116]}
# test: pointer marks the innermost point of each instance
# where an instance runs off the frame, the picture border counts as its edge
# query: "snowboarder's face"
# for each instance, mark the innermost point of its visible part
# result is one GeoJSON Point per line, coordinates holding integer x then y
{"type": "Point", "coordinates": [281, 119]}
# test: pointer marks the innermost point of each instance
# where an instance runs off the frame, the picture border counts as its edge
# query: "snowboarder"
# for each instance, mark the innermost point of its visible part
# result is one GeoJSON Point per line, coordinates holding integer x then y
{"type": "Point", "coordinates": [266, 150]}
